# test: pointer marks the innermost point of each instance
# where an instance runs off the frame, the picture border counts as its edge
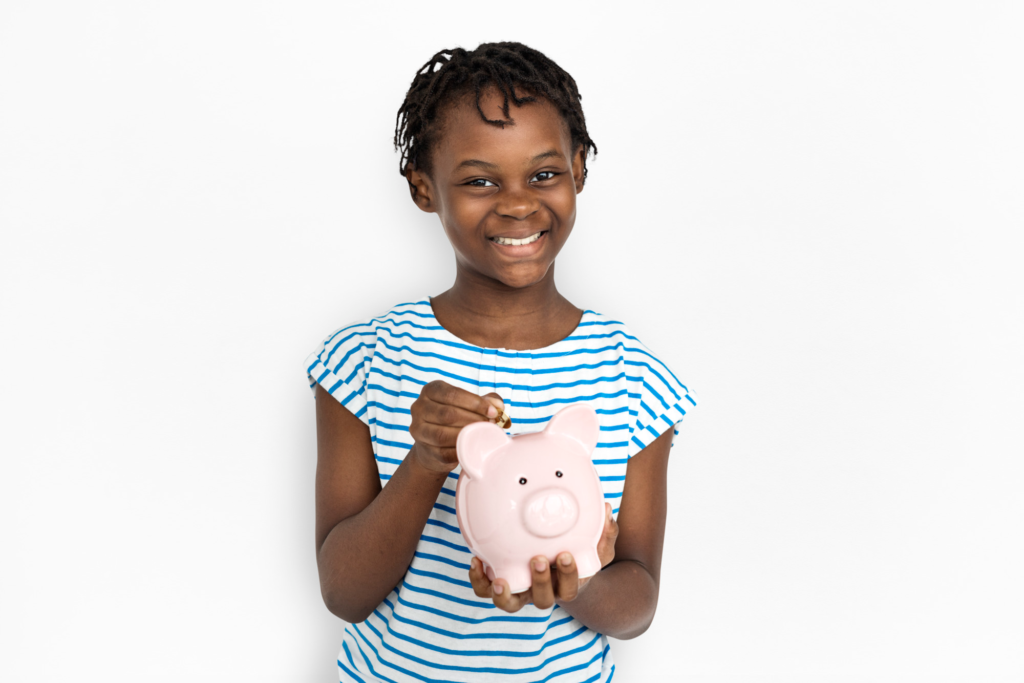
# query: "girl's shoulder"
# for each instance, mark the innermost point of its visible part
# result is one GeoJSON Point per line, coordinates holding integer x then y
{"type": "Point", "coordinates": [598, 330]}
{"type": "Point", "coordinates": [340, 362]}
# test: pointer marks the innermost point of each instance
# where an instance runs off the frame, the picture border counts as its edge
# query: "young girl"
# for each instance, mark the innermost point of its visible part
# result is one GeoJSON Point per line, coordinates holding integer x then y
{"type": "Point", "coordinates": [494, 142]}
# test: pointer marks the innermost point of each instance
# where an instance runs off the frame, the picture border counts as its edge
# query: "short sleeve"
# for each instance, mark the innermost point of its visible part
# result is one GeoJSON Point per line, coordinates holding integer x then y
{"type": "Point", "coordinates": [661, 401]}
{"type": "Point", "coordinates": [341, 365]}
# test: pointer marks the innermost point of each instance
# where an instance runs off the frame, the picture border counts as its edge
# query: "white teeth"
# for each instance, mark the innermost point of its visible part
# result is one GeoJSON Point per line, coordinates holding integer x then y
{"type": "Point", "coordinates": [515, 243]}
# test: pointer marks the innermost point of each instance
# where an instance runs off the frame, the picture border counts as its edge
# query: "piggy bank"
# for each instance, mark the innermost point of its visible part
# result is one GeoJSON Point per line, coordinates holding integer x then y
{"type": "Point", "coordinates": [532, 494]}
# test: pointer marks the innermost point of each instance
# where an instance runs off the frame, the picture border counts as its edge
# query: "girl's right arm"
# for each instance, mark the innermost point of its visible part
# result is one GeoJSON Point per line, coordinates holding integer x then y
{"type": "Point", "coordinates": [365, 534]}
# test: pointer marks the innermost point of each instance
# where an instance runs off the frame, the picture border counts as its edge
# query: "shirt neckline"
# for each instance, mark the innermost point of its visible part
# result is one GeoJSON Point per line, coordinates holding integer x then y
{"type": "Point", "coordinates": [444, 332]}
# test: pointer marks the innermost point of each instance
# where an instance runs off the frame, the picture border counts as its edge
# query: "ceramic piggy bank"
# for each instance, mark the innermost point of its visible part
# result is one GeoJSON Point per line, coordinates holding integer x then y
{"type": "Point", "coordinates": [532, 494]}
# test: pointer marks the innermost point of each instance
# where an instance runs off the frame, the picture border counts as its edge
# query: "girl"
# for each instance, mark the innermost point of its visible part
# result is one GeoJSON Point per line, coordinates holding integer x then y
{"type": "Point", "coordinates": [495, 143]}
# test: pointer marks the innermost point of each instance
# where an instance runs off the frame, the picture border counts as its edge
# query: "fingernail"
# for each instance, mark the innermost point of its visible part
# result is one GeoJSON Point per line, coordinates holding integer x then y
{"type": "Point", "coordinates": [472, 563]}
{"type": "Point", "coordinates": [540, 565]}
{"type": "Point", "coordinates": [498, 589]}
{"type": "Point", "coordinates": [566, 560]}
{"type": "Point", "coordinates": [492, 412]}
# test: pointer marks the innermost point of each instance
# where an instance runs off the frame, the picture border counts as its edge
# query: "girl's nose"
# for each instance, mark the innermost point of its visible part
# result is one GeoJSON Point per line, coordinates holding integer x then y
{"type": "Point", "coordinates": [517, 205]}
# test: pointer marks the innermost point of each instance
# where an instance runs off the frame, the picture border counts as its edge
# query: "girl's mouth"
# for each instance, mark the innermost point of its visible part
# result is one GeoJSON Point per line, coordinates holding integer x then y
{"type": "Point", "coordinates": [512, 242]}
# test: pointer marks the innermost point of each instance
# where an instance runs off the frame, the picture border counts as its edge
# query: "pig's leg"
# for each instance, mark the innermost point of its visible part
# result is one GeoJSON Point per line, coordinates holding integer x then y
{"type": "Point", "coordinates": [518, 576]}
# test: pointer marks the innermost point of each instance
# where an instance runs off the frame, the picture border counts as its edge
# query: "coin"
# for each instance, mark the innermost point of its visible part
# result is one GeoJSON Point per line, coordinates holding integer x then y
{"type": "Point", "coordinates": [503, 420]}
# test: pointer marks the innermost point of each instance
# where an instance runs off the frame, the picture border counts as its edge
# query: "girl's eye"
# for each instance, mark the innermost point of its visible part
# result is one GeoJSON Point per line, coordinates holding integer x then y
{"type": "Point", "coordinates": [479, 182]}
{"type": "Point", "coordinates": [549, 175]}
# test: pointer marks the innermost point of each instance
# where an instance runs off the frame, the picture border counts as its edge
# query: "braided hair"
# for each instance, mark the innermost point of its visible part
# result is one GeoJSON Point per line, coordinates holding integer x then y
{"type": "Point", "coordinates": [521, 74]}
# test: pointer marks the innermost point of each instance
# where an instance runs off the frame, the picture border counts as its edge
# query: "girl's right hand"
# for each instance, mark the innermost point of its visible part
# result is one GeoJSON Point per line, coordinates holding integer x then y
{"type": "Point", "coordinates": [439, 414]}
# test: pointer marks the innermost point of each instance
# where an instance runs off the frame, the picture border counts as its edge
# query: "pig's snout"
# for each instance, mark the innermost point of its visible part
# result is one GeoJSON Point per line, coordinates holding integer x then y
{"type": "Point", "coordinates": [550, 512]}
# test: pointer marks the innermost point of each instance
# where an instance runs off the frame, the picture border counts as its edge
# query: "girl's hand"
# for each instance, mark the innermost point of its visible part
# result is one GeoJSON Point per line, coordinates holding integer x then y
{"type": "Point", "coordinates": [438, 415]}
{"type": "Point", "coordinates": [561, 585]}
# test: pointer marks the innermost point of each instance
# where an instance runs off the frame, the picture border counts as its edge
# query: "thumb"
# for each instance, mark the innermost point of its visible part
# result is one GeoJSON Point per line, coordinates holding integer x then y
{"type": "Point", "coordinates": [496, 401]}
{"type": "Point", "coordinates": [606, 546]}
{"type": "Point", "coordinates": [503, 420]}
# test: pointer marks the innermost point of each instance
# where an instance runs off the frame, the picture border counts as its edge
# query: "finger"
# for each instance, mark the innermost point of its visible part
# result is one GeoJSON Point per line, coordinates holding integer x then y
{"type": "Point", "coordinates": [504, 598]}
{"type": "Point", "coordinates": [606, 546]}
{"type": "Point", "coordinates": [447, 414]}
{"type": "Point", "coordinates": [541, 588]}
{"type": "Point", "coordinates": [481, 584]}
{"type": "Point", "coordinates": [442, 392]}
{"type": "Point", "coordinates": [568, 577]}
{"type": "Point", "coordinates": [434, 434]}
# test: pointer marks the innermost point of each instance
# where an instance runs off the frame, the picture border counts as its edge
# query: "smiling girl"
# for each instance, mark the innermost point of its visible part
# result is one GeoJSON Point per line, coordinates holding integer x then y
{"type": "Point", "coordinates": [494, 142]}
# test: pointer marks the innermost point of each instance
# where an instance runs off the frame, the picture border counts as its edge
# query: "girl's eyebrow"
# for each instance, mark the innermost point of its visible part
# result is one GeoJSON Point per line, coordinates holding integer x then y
{"type": "Point", "coordinates": [489, 166]}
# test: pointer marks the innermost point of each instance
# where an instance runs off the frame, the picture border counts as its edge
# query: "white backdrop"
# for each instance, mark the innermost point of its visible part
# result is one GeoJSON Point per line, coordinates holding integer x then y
{"type": "Point", "coordinates": [831, 195]}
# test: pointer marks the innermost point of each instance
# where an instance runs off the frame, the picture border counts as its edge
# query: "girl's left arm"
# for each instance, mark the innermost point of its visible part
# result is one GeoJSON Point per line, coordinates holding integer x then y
{"type": "Point", "coordinates": [620, 600]}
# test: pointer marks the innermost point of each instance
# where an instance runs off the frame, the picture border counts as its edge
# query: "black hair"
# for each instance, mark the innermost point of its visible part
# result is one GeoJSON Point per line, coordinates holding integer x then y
{"type": "Point", "coordinates": [452, 74]}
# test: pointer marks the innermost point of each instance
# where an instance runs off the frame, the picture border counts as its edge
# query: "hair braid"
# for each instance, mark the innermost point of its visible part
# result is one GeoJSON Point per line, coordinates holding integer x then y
{"type": "Point", "coordinates": [507, 66]}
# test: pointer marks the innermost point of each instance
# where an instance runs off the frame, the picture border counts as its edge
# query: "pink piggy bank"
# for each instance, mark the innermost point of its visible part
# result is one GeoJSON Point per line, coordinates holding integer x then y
{"type": "Point", "coordinates": [532, 494]}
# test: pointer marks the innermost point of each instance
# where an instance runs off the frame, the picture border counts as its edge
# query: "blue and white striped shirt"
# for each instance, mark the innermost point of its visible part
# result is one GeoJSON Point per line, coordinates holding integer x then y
{"type": "Point", "coordinates": [432, 627]}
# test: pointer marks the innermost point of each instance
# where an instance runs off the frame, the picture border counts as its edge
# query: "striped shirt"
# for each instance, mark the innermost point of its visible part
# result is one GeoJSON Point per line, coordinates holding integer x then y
{"type": "Point", "coordinates": [432, 627]}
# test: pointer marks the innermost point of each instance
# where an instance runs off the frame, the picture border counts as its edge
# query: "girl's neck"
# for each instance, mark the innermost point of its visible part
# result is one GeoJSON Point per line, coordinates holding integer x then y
{"type": "Point", "coordinates": [487, 313]}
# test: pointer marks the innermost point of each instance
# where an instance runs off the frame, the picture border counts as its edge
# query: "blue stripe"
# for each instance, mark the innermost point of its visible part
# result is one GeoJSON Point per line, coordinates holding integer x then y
{"type": "Point", "coordinates": [453, 546]}
{"type": "Point", "coordinates": [458, 617]}
{"type": "Point", "coordinates": [439, 577]}
{"type": "Point", "coordinates": [397, 378]}
{"type": "Point", "coordinates": [388, 425]}
{"type": "Point", "coordinates": [450, 598]}
{"type": "Point", "coordinates": [462, 653]}
{"type": "Point", "coordinates": [449, 527]}
{"type": "Point", "coordinates": [432, 371]}
{"type": "Point", "coordinates": [438, 558]}
{"type": "Point", "coordinates": [369, 665]}
{"type": "Point", "coordinates": [449, 667]}
{"type": "Point", "coordinates": [390, 392]}
{"type": "Point", "coordinates": [344, 359]}
{"type": "Point", "coordinates": [349, 671]}
{"type": "Point", "coordinates": [393, 444]}
{"type": "Point", "coordinates": [390, 409]}
{"type": "Point", "coordinates": [526, 354]}
{"type": "Point", "coordinates": [445, 508]}
{"type": "Point", "coordinates": [475, 636]}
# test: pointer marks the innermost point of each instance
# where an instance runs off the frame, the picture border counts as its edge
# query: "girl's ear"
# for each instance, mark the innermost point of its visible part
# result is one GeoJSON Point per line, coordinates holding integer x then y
{"type": "Point", "coordinates": [421, 189]}
{"type": "Point", "coordinates": [577, 167]}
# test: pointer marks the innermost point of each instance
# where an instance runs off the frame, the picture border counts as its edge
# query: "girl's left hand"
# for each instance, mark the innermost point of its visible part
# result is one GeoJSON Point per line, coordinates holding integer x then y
{"type": "Point", "coordinates": [563, 584]}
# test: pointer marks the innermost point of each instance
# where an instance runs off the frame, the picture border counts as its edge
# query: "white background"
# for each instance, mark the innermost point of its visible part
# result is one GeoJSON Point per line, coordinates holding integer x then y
{"type": "Point", "coordinates": [815, 213]}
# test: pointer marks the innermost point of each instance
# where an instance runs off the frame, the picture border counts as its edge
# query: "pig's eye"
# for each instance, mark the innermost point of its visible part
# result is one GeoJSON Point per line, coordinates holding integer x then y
{"type": "Point", "coordinates": [522, 480]}
{"type": "Point", "coordinates": [558, 473]}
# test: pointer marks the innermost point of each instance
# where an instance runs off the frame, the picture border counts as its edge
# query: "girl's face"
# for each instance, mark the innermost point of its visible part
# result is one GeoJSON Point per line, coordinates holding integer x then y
{"type": "Point", "coordinates": [505, 196]}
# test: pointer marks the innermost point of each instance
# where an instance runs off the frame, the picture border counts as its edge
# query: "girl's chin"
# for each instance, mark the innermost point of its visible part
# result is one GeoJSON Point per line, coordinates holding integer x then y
{"type": "Point", "coordinates": [525, 276]}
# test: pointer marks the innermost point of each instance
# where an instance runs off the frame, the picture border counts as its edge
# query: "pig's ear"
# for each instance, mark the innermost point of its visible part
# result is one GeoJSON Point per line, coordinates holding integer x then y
{"type": "Point", "coordinates": [579, 422]}
{"type": "Point", "coordinates": [475, 443]}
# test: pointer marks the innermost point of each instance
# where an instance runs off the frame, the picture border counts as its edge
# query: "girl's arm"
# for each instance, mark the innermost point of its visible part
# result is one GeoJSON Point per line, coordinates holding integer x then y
{"type": "Point", "coordinates": [365, 534]}
{"type": "Point", "coordinates": [619, 600]}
